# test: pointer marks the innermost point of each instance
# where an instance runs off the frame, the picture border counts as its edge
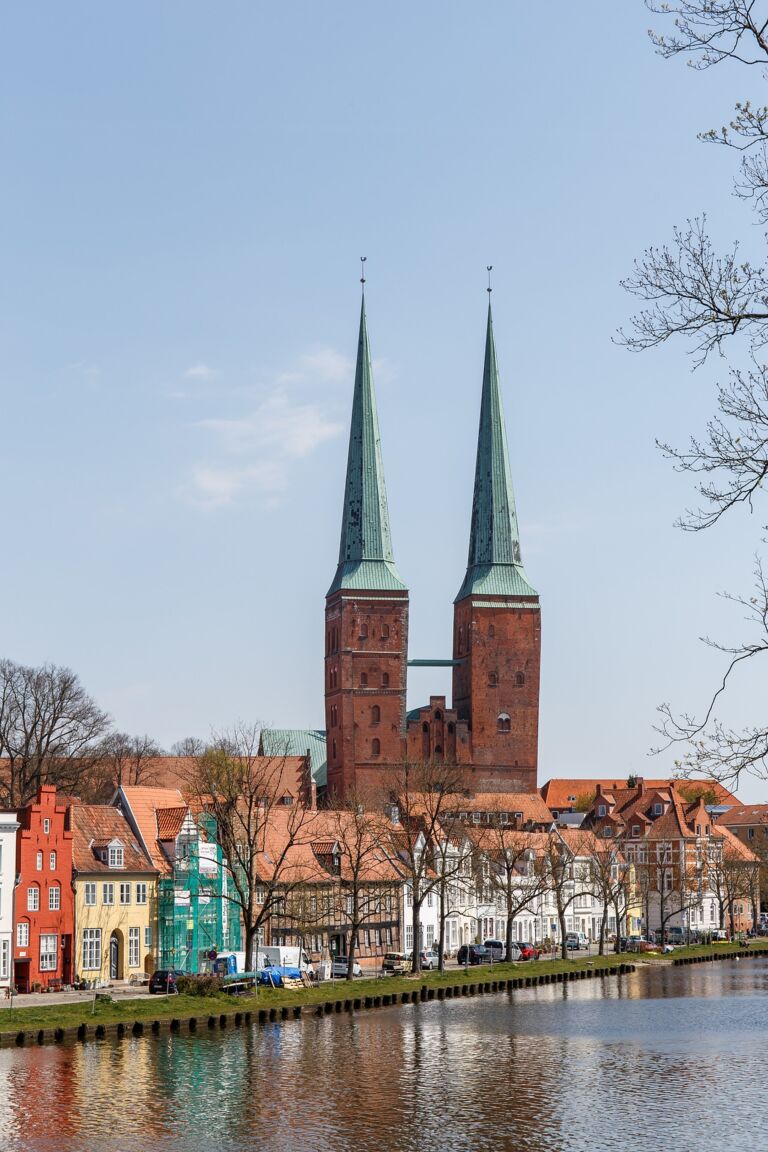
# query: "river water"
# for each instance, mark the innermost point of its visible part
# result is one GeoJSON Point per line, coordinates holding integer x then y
{"type": "Point", "coordinates": [662, 1058]}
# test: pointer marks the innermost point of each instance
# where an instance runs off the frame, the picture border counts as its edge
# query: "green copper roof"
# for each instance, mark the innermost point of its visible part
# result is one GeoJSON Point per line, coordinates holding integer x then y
{"type": "Point", "coordinates": [366, 559]}
{"type": "Point", "coordinates": [494, 567]}
{"type": "Point", "coordinates": [296, 742]}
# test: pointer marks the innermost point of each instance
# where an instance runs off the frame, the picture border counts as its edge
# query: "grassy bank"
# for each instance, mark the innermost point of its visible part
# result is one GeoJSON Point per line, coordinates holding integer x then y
{"type": "Point", "coordinates": [182, 1007]}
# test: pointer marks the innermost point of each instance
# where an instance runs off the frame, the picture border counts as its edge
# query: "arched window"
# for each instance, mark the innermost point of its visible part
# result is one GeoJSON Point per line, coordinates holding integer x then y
{"type": "Point", "coordinates": [438, 751]}
{"type": "Point", "coordinates": [375, 714]}
{"type": "Point", "coordinates": [491, 631]}
{"type": "Point", "coordinates": [438, 715]}
{"type": "Point", "coordinates": [503, 723]}
{"type": "Point", "coordinates": [52, 860]}
{"type": "Point", "coordinates": [450, 729]}
{"type": "Point", "coordinates": [385, 680]}
{"type": "Point", "coordinates": [363, 631]}
{"type": "Point", "coordinates": [493, 680]}
{"type": "Point", "coordinates": [54, 898]}
{"type": "Point", "coordinates": [375, 747]}
{"type": "Point", "coordinates": [425, 727]}
{"type": "Point", "coordinates": [39, 861]}
{"type": "Point", "coordinates": [520, 679]}
{"type": "Point", "coordinates": [385, 631]}
{"type": "Point", "coordinates": [363, 679]}
{"type": "Point", "coordinates": [334, 749]}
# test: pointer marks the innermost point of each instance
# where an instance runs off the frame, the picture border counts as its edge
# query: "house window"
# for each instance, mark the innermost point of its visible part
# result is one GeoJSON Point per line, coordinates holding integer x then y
{"type": "Point", "coordinates": [52, 861]}
{"type": "Point", "coordinates": [260, 895]}
{"type": "Point", "coordinates": [54, 898]}
{"type": "Point", "coordinates": [22, 934]}
{"type": "Point", "coordinates": [46, 826]}
{"type": "Point", "coordinates": [90, 894]}
{"type": "Point", "coordinates": [107, 893]}
{"type": "Point", "coordinates": [375, 714]}
{"type": "Point", "coordinates": [503, 723]}
{"type": "Point", "coordinates": [39, 861]}
{"type": "Point", "coordinates": [658, 809]}
{"type": "Point", "coordinates": [408, 937]}
{"type": "Point", "coordinates": [750, 833]}
{"type": "Point", "coordinates": [91, 949]}
{"type": "Point", "coordinates": [375, 747]}
{"type": "Point", "coordinates": [385, 680]}
{"type": "Point", "coordinates": [601, 809]}
{"type": "Point", "coordinates": [33, 899]}
{"type": "Point", "coordinates": [607, 832]}
{"type": "Point", "coordinates": [116, 856]}
{"type": "Point", "coordinates": [148, 936]}
{"type": "Point", "coordinates": [408, 896]}
{"type": "Point", "coordinates": [503, 817]}
{"type": "Point", "coordinates": [125, 893]}
{"type": "Point", "coordinates": [635, 829]}
{"type": "Point", "coordinates": [133, 947]}
{"type": "Point", "coordinates": [5, 952]}
{"type": "Point", "coordinates": [48, 953]}
{"type": "Point", "coordinates": [141, 892]}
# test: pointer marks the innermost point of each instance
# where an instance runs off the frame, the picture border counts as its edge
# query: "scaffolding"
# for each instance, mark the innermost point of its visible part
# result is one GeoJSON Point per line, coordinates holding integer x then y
{"type": "Point", "coordinates": [194, 916]}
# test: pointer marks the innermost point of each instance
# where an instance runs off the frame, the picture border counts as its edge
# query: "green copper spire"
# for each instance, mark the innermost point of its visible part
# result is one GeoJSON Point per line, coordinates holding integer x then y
{"type": "Point", "coordinates": [494, 567]}
{"type": "Point", "coordinates": [366, 559]}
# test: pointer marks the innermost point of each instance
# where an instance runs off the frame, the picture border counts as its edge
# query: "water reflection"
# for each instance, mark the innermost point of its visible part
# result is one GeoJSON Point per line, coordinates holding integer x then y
{"type": "Point", "coordinates": [596, 1065]}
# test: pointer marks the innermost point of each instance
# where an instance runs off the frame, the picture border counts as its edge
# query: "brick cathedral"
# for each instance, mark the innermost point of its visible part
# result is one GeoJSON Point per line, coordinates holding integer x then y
{"type": "Point", "coordinates": [492, 726]}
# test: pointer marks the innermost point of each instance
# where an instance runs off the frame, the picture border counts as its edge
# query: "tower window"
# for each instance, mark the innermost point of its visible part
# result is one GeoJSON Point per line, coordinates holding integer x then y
{"type": "Point", "coordinates": [520, 679]}
{"type": "Point", "coordinates": [334, 749]}
{"type": "Point", "coordinates": [450, 729]}
{"type": "Point", "coordinates": [375, 714]}
{"type": "Point", "coordinates": [385, 631]}
{"type": "Point", "coordinates": [363, 631]}
{"type": "Point", "coordinates": [438, 750]}
{"type": "Point", "coordinates": [438, 715]}
{"type": "Point", "coordinates": [375, 747]}
{"type": "Point", "coordinates": [503, 723]}
{"type": "Point", "coordinates": [425, 727]}
{"type": "Point", "coordinates": [493, 680]}
{"type": "Point", "coordinates": [491, 631]}
{"type": "Point", "coordinates": [363, 679]}
{"type": "Point", "coordinates": [385, 680]}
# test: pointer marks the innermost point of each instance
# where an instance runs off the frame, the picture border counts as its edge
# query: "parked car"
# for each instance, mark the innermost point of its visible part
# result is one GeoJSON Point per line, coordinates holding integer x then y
{"type": "Point", "coordinates": [430, 959]}
{"type": "Point", "coordinates": [576, 940]}
{"type": "Point", "coordinates": [529, 951]}
{"type": "Point", "coordinates": [340, 966]}
{"type": "Point", "coordinates": [473, 954]}
{"type": "Point", "coordinates": [396, 963]}
{"type": "Point", "coordinates": [164, 980]}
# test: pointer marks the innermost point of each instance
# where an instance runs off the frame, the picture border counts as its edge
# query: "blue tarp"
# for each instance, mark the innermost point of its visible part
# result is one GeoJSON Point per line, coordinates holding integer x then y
{"type": "Point", "coordinates": [273, 976]}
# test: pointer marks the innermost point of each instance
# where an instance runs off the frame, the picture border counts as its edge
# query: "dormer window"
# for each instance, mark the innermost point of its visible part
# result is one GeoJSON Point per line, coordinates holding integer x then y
{"type": "Point", "coordinates": [503, 817]}
{"type": "Point", "coordinates": [607, 832]}
{"type": "Point", "coordinates": [116, 856]}
{"type": "Point", "coordinates": [518, 815]}
{"type": "Point", "coordinates": [635, 829]}
{"type": "Point", "coordinates": [601, 809]}
{"type": "Point", "coordinates": [658, 809]}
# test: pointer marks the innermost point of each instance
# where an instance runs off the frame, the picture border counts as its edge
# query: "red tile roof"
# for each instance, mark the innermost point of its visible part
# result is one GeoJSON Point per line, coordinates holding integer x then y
{"type": "Point", "coordinates": [97, 825]}
{"type": "Point", "coordinates": [558, 793]}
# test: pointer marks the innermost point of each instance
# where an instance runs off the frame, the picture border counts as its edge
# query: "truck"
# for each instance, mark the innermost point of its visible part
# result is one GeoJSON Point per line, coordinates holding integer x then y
{"type": "Point", "coordinates": [284, 956]}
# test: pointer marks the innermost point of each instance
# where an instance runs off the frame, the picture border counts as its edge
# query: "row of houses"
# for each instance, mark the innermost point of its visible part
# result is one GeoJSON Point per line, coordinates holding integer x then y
{"type": "Point", "coordinates": [108, 893]}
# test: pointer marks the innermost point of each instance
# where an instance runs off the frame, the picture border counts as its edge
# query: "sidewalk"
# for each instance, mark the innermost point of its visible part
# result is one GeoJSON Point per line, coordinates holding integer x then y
{"type": "Point", "coordinates": [44, 999]}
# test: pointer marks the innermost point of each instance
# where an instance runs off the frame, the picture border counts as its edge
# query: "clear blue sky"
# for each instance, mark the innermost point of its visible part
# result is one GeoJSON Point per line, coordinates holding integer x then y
{"type": "Point", "coordinates": [186, 189]}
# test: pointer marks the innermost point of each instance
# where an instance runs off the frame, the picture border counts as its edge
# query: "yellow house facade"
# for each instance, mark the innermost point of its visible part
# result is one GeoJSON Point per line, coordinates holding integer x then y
{"type": "Point", "coordinates": [115, 898]}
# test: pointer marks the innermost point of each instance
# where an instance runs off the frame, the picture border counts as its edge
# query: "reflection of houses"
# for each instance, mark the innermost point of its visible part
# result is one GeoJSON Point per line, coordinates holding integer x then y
{"type": "Point", "coordinates": [115, 896]}
{"type": "Point", "coordinates": [8, 828]}
{"type": "Point", "coordinates": [194, 914]}
{"type": "Point", "coordinates": [44, 897]}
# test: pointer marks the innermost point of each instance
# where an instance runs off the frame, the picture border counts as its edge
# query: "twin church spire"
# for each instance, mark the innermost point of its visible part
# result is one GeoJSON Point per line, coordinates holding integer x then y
{"type": "Point", "coordinates": [366, 557]}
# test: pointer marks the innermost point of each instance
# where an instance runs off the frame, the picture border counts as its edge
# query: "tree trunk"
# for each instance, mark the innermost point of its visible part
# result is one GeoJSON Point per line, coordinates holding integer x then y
{"type": "Point", "coordinates": [354, 929]}
{"type": "Point", "coordinates": [601, 950]}
{"type": "Point", "coordinates": [563, 945]}
{"type": "Point", "coordinates": [441, 944]}
{"type": "Point", "coordinates": [416, 966]}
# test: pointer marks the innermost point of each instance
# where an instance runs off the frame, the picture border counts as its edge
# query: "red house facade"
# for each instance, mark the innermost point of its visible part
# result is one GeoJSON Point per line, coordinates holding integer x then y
{"type": "Point", "coordinates": [45, 908]}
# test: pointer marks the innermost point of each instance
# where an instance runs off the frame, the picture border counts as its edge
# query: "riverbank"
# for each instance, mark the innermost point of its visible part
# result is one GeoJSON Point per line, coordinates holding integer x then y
{"type": "Point", "coordinates": [102, 1018]}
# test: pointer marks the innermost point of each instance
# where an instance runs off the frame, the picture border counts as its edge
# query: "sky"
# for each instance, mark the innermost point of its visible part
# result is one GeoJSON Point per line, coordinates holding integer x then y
{"type": "Point", "coordinates": [186, 191]}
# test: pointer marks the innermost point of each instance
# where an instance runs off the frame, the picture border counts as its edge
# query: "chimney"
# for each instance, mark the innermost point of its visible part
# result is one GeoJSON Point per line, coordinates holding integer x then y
{"type": "Point", "coordinates": [641, 784]}
{"type": "Point", "coordinates": [599, 789]}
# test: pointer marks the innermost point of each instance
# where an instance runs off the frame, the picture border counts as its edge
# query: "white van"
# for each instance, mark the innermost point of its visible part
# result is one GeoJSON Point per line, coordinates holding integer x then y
{"type": "Point", "coordinates": [284, 956]}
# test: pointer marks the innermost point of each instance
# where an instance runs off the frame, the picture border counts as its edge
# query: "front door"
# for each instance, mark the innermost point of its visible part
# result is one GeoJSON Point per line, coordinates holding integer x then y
{"type": "Point", "coordinates": [114, 957]}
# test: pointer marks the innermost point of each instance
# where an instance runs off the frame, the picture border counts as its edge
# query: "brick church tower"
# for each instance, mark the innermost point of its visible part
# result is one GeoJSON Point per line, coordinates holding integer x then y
{"type": "Point", "coordinates": [497, 619]}
{"type": "Point", "coordinates": [366, 612]}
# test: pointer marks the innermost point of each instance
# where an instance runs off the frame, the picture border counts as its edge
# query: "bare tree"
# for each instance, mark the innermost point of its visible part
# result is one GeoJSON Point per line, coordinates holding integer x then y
{"type": "Point", "coordinates": [120, 759]}
{"type": "Point", "coordinates": [50, 730]}
{"type": "Point", "coordinates": [718, 301]}
{"type": "Point", "coordinates": [258, 821]}
{"type": "Point", "coordinates": [367, 880]}
{"type": "Point", "coordinates": [425, 797]}
{"type": "Point", "coordinates": [188, 746]}
{"type": "Point", "coordinates": [610, 883]}
{"type": "Point", "coordinates": [516, 875]}
{"type": "Point", "coordinates": [566, 866]}
{"type": "Point", "coordinates": [733, 875]}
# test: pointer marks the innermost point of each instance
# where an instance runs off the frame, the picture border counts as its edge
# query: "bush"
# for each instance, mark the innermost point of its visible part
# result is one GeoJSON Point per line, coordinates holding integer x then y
{"type": "Point", "coordinates": [205, 985]}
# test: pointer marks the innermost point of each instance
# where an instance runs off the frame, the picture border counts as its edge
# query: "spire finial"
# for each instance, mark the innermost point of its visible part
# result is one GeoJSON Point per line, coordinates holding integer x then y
{"type": "Point", "coordinates": [362, 271]}
{"type": "Point", "coordinates": [489, 269]}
